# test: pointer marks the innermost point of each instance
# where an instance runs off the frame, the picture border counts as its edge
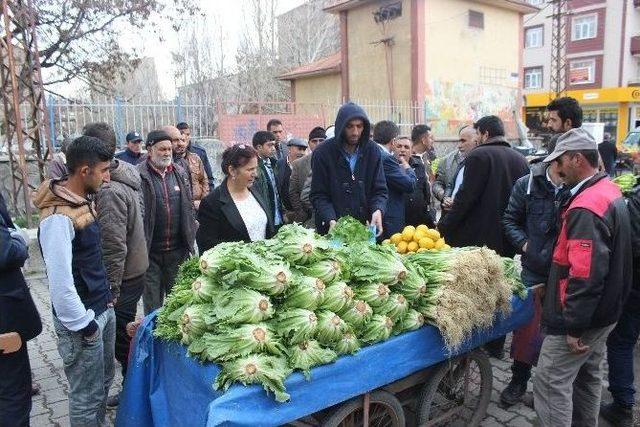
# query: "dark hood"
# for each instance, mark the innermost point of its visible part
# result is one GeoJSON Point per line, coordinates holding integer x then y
{"type": "Point", "coordinates": [347, 112]}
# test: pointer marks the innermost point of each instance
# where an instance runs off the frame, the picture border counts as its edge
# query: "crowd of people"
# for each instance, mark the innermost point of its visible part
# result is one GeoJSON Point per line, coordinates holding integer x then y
{"type": "Point", "coordinates": [115, 227]}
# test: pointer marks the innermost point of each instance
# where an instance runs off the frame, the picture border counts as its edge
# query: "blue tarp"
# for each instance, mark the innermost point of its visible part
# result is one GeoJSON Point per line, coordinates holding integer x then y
{"type": "Point", "coordinates": [164, 387]}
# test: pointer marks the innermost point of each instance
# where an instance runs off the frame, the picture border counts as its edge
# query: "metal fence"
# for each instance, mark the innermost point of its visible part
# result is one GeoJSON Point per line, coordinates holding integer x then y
{"type": "Point", "coordinates": [445, 111]}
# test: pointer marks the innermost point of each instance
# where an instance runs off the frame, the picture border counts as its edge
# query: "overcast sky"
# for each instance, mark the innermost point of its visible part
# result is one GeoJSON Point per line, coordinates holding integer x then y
{"type": "Point", "coordinates": [230, 12]}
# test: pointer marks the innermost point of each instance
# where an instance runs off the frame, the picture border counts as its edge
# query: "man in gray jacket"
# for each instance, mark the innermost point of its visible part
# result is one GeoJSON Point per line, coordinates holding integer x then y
{"type": "Point", "coordinates": [300, 171]}
{"type": "Point", "coordinates": [448, 166]}
{"type": "Point", "coordinates": [120, 215]}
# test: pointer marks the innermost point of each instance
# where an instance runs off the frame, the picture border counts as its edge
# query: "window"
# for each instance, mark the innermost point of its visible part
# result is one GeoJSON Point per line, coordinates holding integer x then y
{"type": "Point", "coordinates": [533, 37]}
{"type": "Point", "coordinates": [584, 27]}
{"type": "Point", "coordinates": [533, 78]}
{"type": "Point", "coordinates": [476, 19]}
{"type": "Point", "coordinates": [536, 2]}
{"type": "Point", "coordinates": [582, 72]}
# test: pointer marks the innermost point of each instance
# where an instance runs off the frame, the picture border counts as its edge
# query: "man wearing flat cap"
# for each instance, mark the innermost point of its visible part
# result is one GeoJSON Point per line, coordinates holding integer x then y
{"type": "Point", "coordinates": [590, 277]}
{"type": "Point", "coordinates": [169, 226]}
{"type": "Point", "coordinates": [297, 148]}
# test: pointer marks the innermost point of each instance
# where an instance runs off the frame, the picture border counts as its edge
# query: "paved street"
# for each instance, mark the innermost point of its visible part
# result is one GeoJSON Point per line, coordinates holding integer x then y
{"type": "Point", "coordinates": [50, 407]}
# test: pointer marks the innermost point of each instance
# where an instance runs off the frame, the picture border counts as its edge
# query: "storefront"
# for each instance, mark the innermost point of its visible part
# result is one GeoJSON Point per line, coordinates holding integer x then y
{"type": "Point", "coordinates": [617, 108]}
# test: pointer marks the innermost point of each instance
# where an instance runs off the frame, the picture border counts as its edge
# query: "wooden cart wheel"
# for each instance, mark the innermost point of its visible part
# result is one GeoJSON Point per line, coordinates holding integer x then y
{"type": "Point", "coordinates": [385, 410]}
{"type": "Point", "coordinates": [458, 393]}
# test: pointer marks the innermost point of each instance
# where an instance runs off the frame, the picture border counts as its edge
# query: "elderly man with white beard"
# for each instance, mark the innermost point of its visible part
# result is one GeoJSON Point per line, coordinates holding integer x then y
{"type": "Point", "coordinates": [169, 218]}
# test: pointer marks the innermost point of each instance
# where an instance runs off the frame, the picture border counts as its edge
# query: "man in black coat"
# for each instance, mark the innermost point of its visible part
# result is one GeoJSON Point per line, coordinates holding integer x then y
{"type": "Point", "coordinates": [489, 173]}
{"type": "Point", "coordinates": [18, 315]}
{"type": "Point", "coordinates": [418, 203]}
{"type": "Point", "coordinates": [622, 340]}
{"type": "Point", "coordinates": [608, 153]}
{"type": "Point", "coordinates": [348, 175]}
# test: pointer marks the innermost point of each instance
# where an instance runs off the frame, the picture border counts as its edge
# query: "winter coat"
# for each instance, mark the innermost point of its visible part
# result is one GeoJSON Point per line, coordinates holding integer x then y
{"type": "Point", "coordinates": [220, 221]}
{"type": "Point", "coordinates": [58, 166]}
{"type": "Point", "coordinates": [198, 176]}
{"type": "Point", "coordinates": [130, 157]}
{"type": "Point", "coordinates": [400, 183]}
{"type": "Point", "coordinates": [446, 175]}
{"type": "Point", "coordinates": [532, 216]}
{"type": "Point", "coordinates": [202, 153]}
{"type": "Point", "coordinates": [300, 211]}
{"type": "Point", "coordinates": [591, 273]}
{"type": "Point", "coordinates": [264, 187]}
{"type": "Point", "coordinates": [283, 179]}
{"type": "Point", "coordinates": [609, 153]}
{"type": "Point", "coordinates": [475, 219]}
{"type": "Point", "coordinates": [187, 214]}
{"type": "Point", "coordinates": [335, 190]}
{"type": "Point", "coordinates": [633, 204]}
{"type": "Point", "coordinates": [418, 203]}
{"type": "Point", "coordinates": [120, 212]}
{"type": "Point", "coordinates": [18, 313]}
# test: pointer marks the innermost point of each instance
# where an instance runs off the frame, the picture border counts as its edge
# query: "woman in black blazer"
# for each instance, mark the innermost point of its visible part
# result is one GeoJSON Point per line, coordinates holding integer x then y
{"type": "Point", "coordinates": [234, 211]}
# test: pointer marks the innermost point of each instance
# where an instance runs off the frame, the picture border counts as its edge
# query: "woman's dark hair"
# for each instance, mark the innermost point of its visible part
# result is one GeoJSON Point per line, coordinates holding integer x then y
{"type": "Point", "coordinates": [87, 150]}
{"type": "Point", "coordinates": [237, 156]}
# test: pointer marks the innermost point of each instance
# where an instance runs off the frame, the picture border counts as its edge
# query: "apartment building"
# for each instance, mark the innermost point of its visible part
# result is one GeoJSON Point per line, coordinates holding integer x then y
{"type": "Point", "coordinates": [602, 61]}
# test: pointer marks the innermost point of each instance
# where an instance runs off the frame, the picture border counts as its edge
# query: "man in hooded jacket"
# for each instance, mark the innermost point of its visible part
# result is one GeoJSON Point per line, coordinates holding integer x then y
{"type": "Point", "coordinates": [348, 175]}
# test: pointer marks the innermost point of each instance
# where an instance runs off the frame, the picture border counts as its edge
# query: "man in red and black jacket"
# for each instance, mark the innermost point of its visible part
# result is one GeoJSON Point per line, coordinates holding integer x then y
{"type": "Point", "coordinates": [588, 282]}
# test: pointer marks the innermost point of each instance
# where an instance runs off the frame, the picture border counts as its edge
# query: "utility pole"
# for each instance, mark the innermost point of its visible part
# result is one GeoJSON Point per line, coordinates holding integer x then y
{"type": "Point", "coordinates": [23, 101]}
{"type": "Point", "coordinates": [558, 45]}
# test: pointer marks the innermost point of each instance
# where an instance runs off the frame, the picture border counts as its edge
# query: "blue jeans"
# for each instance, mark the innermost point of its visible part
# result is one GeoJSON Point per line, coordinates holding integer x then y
{"type": "Point", "coordinates": [620, 346]}
{"type": "Point", "coordinates": [89, 367]}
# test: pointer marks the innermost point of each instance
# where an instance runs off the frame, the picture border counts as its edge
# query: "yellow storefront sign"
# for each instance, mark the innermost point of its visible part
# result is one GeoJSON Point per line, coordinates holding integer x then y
{"type": "Point", "coordinates": [588, 96]}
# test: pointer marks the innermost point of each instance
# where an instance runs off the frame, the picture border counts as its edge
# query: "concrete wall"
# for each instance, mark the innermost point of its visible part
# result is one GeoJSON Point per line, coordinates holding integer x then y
{"type": "Point", "coordinates": [456, 52]}
{"type": "Point", "coordinates": [318, 89]}
{"type": "Point", "coordinates": [367, 66]}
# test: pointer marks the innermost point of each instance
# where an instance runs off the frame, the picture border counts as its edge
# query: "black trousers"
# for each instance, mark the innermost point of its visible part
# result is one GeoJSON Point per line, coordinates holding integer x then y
{"type": "Point", "coordinates": [15, 388]}
{"type": "Point", "coordinates": [125, 309]}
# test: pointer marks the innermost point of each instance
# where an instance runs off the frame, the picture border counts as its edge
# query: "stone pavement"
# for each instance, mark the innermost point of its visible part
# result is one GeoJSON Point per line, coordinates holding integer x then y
{"type": "Point", "coordinates": [50, 407]}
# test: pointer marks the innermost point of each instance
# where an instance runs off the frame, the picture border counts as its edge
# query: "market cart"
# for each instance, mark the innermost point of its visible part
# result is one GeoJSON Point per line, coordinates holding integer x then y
{"type": "Point", "coordinates": [408, 379]}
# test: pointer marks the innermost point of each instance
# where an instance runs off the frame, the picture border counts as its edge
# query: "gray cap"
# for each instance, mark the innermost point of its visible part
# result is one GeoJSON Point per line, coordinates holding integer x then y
{"type": "Point", "coordinates": [298, 142]}
{"type": "Point", "coordinates": [573, 140]}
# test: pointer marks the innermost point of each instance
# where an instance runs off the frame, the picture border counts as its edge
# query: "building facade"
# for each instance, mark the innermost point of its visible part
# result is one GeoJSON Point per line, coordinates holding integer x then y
{"type": "Point", "coordinates": [456, 59]}
{"type": "Point", "coordinates": [602, 62]}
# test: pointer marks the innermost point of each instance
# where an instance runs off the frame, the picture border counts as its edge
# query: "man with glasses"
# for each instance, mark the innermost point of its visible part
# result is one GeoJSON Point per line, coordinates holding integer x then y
{"type": "Point", "coordinates": [133, 153]}
{"type": "Point", "coordinates": [301, 173]}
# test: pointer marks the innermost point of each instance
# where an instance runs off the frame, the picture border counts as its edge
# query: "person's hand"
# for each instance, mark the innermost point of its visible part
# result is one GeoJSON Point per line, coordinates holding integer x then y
{"type": "Point", "coordinates": [376, 219]}
{"type": "Point", "coordinates": [525, 246]}
{"type": "Point", "coordinates": [332, 224]}
{"type": "Point", "coordinates": [576, 345]}
{"type": "Point", "coordinates": [447, 202]}
{"type": "Point", "coordinates": [403, 162]}
{"type": "Point", "coordinates": [196, 204]}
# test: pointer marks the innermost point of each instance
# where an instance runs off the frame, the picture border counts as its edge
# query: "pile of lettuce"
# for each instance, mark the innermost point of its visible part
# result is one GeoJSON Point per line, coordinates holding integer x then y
{"type": "Point", "coordinates": [265, 309]}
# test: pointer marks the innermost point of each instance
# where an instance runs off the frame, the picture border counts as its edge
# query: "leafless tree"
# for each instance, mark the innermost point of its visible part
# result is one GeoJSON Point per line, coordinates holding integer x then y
{"type": "Point", "coordinates": [78, 39]}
